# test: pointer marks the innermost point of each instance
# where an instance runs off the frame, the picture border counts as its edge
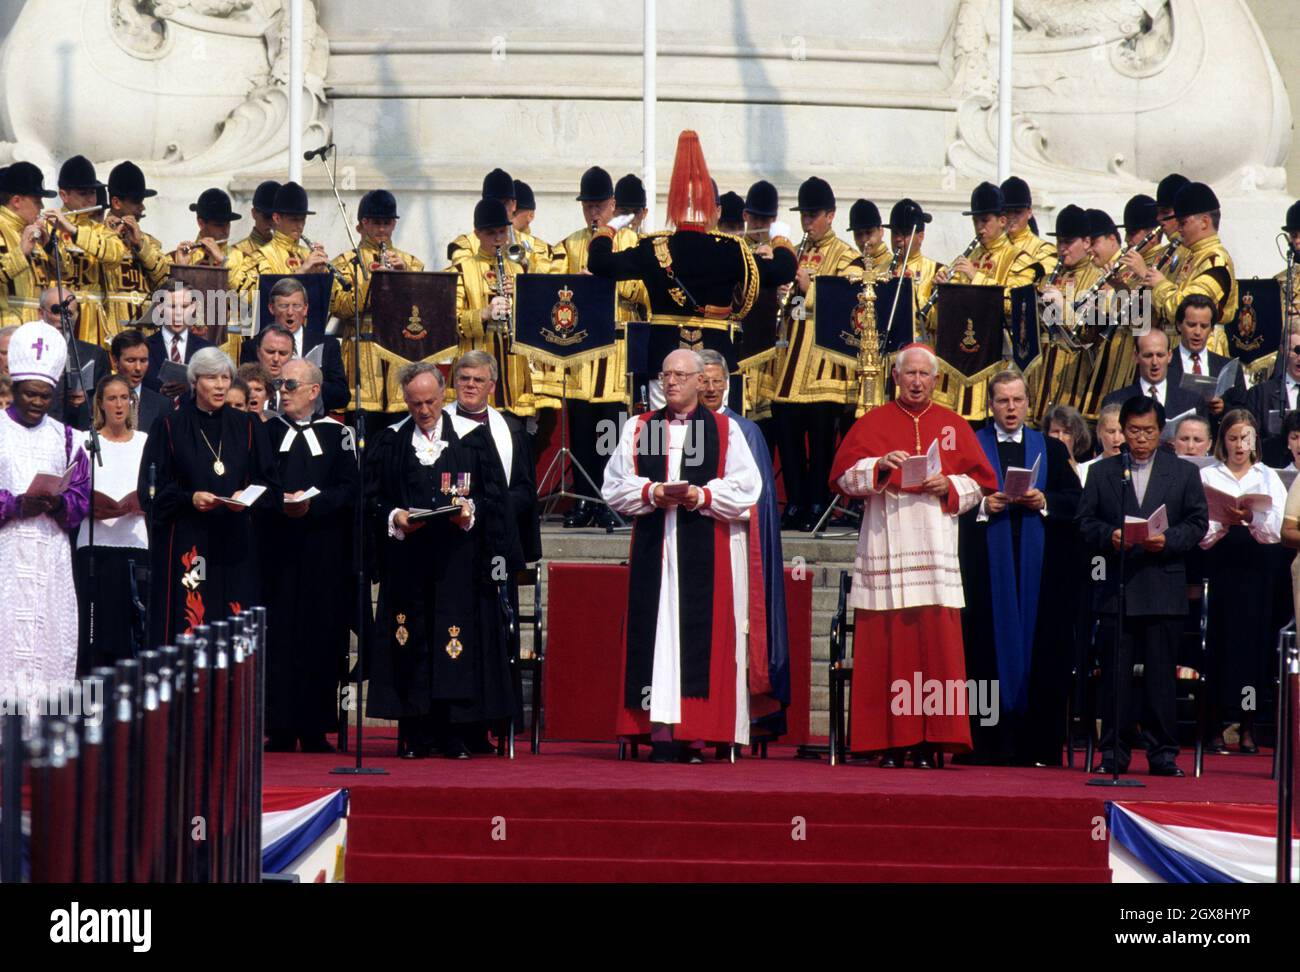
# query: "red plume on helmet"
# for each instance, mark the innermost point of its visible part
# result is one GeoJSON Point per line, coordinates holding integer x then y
{"type": "Point", "coordinates": [691, 201]}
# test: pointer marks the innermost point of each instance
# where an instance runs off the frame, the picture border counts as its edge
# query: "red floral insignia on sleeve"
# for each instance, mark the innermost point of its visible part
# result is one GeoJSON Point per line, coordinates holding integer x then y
{"type": "Point", "coordinates": [194, 609]}
{"type": "Point", "coordinates": [234, 607]}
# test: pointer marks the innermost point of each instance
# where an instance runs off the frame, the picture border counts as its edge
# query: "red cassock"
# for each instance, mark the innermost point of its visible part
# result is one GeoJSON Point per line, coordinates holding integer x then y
{"type": "Point", "coordinates": [908, 658]}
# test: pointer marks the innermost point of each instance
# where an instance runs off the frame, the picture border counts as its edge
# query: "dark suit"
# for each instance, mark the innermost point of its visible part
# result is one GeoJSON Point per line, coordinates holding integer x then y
{"type": "Point", "coordinates": [160, 351]}
{"type": "Point", "coordinates": [61, 406]}
{"type": "Point", "coordinates": [152, 405]}
{"type": "Point", "coordinates": [1212, 364]}
{"type": "Point", "coordinates": [1155, 601]}
{"type": "Point", "coordinates": [334, 391]}
{"type": "Point", "coordinates": [1264, 398]}
{"type": "Point", "coordinates": [1176, 400]}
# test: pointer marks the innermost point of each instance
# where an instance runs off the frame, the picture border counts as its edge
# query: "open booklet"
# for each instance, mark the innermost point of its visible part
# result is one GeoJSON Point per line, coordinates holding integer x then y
{"type": "Point", "coordinates": [51, 484]}
{"type": "Point", "coordinates": [1136, 529]}
{"type": "Point", "coordinates": [416, 515]}
{"type": "Point", "coordinates": [247, 497]}
{"type": "Point", "coordinates": [311, 492]}
{"type": "Point", "coordinates": [1018, 481]}
{"type": "Point", "coordinates": [111, 507]}
{"type": "Point", "coordinates": [1171, 425]}
{"type": "Point", "coordinates": [917, 469]}
{"type": "Point", "coordinates": [1200, 462]}
{"type": "Point", "coordinates": [83, 380]}
{"type": "Point", "coordinates": [1210, 387]}
{"type": "Point", "coordinates": [1220, 502]}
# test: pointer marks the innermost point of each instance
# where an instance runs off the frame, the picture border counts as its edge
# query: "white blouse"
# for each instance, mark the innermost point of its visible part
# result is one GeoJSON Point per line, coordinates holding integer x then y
{"type": "Point", "coordinates": [117, 477]}
{"type": "Point", "coordinates": [1264, 527]}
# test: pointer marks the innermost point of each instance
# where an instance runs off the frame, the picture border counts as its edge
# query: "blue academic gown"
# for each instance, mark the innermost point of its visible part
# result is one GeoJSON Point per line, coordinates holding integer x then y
{"type": "Point", "coordinates": [769, 527]}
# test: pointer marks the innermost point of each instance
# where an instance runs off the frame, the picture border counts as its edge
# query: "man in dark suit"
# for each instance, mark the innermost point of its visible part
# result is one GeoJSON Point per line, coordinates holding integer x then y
{"type": "Point", "coordinates": [1016, 561]}
{"type": "Point", "coordinates": [176, 312]}
{"type": "Point", "coordinates": [71, 404]}
{"type": "Point", "coordinates": [1137, 482]}
{"type": "Point", "coordinates": [1154, 380]}
{"type": "Point", "coordinates": [129, 353]}
{"type": "Point", "coordinates": [1267, 397]}
{"type": "Point", "coordinates": [289, 309]}
{"type": "Point", "coordinates": [1195, 319]}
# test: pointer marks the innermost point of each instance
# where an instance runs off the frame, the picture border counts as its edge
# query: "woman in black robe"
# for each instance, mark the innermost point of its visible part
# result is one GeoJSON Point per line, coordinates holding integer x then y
{"type": "Point", "coordinates": [203, 551]}
{"type": "Point", "coordinates": [440, 665]}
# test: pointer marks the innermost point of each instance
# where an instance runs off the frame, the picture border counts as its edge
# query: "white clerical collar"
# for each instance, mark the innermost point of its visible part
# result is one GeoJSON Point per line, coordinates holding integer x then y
{"type": "Point", "coordinates": [297, 428]}
{"type": "Point", "coordinates": [1016, 436]}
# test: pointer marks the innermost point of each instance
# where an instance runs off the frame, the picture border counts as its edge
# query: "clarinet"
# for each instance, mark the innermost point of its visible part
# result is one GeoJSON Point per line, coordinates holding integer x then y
{"type": "Point", "coordinates": [782, 320]}
{"type": "Point", "coordinates": [1104, 279]}
{"type": "Point", "coordinates": [934, 292]}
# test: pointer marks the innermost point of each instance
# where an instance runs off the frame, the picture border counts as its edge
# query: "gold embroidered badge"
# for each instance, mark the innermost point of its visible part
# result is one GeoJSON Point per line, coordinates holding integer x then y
{"type": "Point", "coordinates": [454, 647]}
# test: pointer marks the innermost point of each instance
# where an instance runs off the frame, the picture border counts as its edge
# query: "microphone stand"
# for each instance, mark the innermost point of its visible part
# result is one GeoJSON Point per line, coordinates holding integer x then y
{"type": "Point", "coordinates": [1127, 458]}
{"type": "Point", "coordinates": [1288, 295]}
{"type": "Point", "coordinates": [359, 506]}
{"type": "Point", "coordinates": [96, 455]}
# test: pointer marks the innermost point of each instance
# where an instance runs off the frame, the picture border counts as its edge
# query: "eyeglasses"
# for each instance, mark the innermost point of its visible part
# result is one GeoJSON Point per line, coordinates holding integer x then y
{"type": "Point", "coordinates": [677, 375]}
{"type": "Point", "coordinates": [1136, 433]}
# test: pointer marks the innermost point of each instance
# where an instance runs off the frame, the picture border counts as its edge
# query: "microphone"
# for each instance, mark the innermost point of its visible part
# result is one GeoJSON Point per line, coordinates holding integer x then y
{"type": "Point", "coordinates": [153, 480]}
{"type": "Point", "coordinates": [1126, 458]}
{"type": "Point", "coordinates": [314, 153]}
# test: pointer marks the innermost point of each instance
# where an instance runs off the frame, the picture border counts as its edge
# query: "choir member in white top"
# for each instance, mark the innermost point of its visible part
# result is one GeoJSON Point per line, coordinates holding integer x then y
{"type": "Point", "coordinates": [1109, 436]}
{"type": "Point", "coordinates": [107, 585]}
{"type": "Point", "coordinates": [1246, 501]}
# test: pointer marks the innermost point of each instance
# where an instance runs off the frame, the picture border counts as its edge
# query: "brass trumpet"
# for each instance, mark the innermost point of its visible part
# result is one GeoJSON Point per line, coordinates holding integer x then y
{"type": "Point", "coordinates": [517, 252]}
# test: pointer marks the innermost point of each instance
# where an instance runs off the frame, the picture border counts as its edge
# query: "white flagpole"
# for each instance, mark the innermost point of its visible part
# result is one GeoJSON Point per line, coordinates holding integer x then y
{"type": "Point", "coordinates": [1004, 90]}
{"type": "Point", "coordinates": [295, 91]}
{"type": "Point", "coordinates": [649, 45]}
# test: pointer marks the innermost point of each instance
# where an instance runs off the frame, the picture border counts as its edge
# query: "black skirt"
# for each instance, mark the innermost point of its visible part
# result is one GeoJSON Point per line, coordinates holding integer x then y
{"type": "Point", "coordinates": [109, 599]}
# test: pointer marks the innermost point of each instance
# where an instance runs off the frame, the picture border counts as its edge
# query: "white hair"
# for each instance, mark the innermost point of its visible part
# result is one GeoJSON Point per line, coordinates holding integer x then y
{"type": "Point", "coordinates": [695, 356]}
{"type": "Point", "coordinates": [917, 349]}
{"type": "Point", "coordinates": [209, 361]}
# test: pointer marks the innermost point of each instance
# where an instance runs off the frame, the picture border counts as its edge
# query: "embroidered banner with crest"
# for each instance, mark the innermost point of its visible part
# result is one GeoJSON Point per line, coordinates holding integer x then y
{"type": "Point", "coordinates": [563, 318]}
{"type": "Point", "coordinates": [413, 314]}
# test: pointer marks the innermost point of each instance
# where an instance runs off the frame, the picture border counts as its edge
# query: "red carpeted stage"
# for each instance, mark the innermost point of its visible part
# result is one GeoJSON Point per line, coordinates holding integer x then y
{"type": "Point", "coordinates": [576, 813]}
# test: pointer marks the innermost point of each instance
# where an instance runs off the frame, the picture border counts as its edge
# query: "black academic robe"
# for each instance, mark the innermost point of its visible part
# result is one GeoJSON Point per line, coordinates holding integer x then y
{"type": "Point", "coordinates": [1035, 735]}
{"type": "Point", "coordinates": [522, 481]}
{"type": "Point", "coordinates": [204, 566]}
{"type": "Point", "coordinates": [440, 647]}
{"type": "Point", "coordinates": [307, 578]}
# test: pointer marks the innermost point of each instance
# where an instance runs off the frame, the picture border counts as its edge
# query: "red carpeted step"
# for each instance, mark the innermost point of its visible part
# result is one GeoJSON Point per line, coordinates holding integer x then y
{"type": "Point", "coordinates": [759, 807]}
{"type": "Point", "coordinates": [374, 868]}
{"type": "Point", "coordinates": [649, 839]}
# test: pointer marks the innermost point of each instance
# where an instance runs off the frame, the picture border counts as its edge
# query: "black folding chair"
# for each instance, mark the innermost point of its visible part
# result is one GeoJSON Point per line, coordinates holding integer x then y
{"type": "Point", "coordinates": [532, 662]}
